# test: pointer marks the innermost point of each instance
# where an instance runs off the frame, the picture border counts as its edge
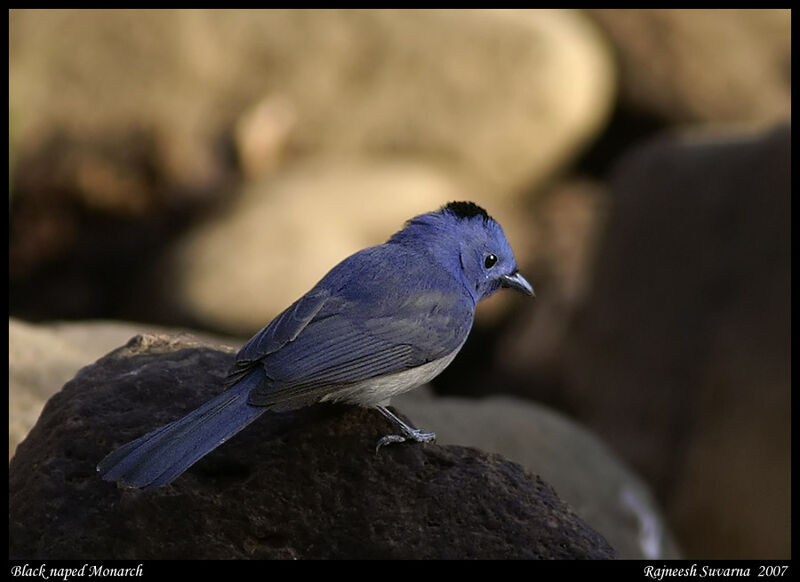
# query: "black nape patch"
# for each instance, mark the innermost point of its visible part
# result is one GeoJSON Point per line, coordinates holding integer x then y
{"type": "Point", "coordinates": [466, 210]}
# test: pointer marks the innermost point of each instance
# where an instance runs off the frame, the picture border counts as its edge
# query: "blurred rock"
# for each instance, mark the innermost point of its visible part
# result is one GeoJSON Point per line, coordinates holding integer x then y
{"type": "Point", "coordinates": [42, 358]}
{"type": "Point", "coordinates": [285, 233]}
{"type": "Point", "coordinates": [261, 135]}
{"type": "Point", "coordinates": [330, 495]}
{"type": "Point", "coordinates": [523, 346]}
{"type": "Point", "coordinates": [680, 356]}
{"type": "Point", "coordinates": [503, 96]}
{"type": "Point", "coordinates": [565, 223]}
{"type": "Point", "coordinates": [703, 65]}
{"type": "Point", "coordinates": [493, 99]}
{"type": "Point", "coordinates": [587, 475]}
{"type": "Point", "coordinates": [87, 216]}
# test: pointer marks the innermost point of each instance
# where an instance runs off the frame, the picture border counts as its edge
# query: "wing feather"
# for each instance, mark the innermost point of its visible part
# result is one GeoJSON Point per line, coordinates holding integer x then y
{"type": "Point", "coordinates": [369, 322]}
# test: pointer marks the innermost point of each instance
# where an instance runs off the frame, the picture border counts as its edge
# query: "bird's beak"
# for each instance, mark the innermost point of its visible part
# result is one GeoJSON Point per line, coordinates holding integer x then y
{"type": "Point", "coordinates": [518, 282]}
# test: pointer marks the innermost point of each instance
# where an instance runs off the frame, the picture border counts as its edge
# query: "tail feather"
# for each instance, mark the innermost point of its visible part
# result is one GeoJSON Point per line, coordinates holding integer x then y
{"type": "Point", "coordinates": [162, 455]}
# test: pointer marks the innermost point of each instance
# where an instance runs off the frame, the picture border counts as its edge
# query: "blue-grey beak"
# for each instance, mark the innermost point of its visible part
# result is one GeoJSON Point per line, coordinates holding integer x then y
{"type": "Point", "coordinates": [518, 282]}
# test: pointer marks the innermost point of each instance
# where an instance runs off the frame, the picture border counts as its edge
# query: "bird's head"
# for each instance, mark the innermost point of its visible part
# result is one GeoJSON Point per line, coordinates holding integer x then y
{"type": "Point", "coordinates": [471, 244]}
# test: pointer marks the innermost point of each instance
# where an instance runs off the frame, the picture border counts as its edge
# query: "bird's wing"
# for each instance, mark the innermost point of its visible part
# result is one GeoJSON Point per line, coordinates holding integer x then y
{"type": "Point", "coordinates": [349, 346]}
{"type": "Point", "coordinates": [278, 333]}
{"type": "Point", "coordinates": [376, 313]}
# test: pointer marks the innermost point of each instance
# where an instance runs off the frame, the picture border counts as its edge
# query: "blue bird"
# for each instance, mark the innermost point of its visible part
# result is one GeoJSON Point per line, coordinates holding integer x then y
{"type": "Point", "coordinates": [383, 321]}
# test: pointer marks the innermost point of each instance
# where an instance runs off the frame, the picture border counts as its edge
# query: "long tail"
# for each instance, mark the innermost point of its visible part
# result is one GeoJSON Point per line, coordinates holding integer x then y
{"type": "Point", "coordinates": [164, 454]}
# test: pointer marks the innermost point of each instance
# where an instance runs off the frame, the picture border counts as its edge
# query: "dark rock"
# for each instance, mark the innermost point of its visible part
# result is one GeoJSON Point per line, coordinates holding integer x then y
{"type": "Point", "coordinates": [299, 485]}
{"type": "Point", "coordinates": [680, 356]}
{"type": "Point", "coordinates": [599, 487]}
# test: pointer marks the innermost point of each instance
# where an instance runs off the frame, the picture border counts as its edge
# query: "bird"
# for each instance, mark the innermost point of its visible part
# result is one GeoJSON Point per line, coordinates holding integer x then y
{"type": "Point", "coordinates": [383, 321]}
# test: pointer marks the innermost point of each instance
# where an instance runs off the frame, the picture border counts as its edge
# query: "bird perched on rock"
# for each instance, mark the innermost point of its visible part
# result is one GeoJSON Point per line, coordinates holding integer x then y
{"type": "Point", "coordinates": [383, 321]}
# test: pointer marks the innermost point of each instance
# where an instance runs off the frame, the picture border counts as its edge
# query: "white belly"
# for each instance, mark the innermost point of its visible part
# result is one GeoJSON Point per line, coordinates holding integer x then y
{"type": "Point", "coordinates": [378, 391]}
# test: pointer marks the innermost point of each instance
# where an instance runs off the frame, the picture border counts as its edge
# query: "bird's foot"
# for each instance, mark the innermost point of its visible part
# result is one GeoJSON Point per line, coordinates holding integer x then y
{"type": "Point", "coordinates": [414, 435]}
{"type": "Point", "coordinates": [409, 433]}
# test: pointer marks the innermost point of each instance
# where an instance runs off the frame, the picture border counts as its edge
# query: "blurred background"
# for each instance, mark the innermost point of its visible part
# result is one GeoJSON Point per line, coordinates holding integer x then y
{"type": "Point", "coordinates": [200, 170]}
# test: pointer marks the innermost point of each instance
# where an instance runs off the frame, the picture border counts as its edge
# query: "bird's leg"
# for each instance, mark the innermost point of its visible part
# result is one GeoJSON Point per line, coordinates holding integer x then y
{"type": "Point", "coordinates": [409, 433]}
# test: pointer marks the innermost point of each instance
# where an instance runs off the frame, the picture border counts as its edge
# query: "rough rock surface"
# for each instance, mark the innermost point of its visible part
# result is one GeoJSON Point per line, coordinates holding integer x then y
{"type": "Point", "coordinates": [300, 485]}
{"type": "Point", "coordinates": [590, 477]}
{"type": "Point", "coordinates": [594, 482]}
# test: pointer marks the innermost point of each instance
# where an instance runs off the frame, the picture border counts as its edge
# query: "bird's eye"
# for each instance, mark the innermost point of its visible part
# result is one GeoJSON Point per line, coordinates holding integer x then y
{"type": "Point", "coordinates": [490, 261]}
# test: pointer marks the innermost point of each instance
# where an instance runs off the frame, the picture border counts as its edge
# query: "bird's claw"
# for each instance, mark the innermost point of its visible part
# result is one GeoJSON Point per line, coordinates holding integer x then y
{"type": "Point", "coordinates": [389, 439]}
{"type": "Point", "coordinates": [414, 435]}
